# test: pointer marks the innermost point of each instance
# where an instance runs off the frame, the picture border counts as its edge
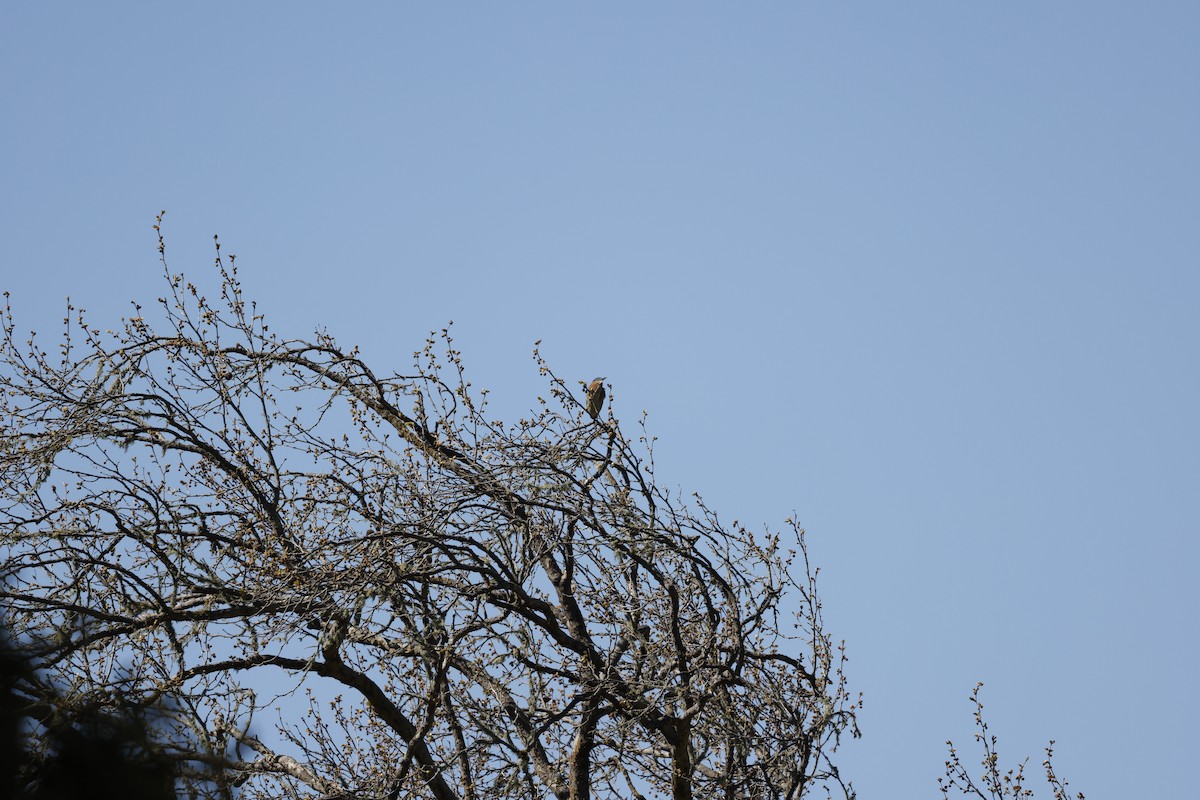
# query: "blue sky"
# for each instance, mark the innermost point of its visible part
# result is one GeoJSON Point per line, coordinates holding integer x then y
{"type": "Point", "coordinates": [925, 273]}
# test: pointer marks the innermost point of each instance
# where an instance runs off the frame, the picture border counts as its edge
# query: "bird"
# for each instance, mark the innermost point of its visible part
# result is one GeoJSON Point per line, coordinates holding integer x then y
{"type": "Point", "coordinates": [595, 397]}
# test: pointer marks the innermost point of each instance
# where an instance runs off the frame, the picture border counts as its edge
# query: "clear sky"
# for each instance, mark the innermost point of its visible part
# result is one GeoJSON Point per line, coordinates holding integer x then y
{"type": "Point", "coordinates": [926, 273]}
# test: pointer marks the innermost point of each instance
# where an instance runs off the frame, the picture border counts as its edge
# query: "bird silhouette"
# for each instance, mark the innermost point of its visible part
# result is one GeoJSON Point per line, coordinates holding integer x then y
{"type": "Point", "coordinates": [595, 397]}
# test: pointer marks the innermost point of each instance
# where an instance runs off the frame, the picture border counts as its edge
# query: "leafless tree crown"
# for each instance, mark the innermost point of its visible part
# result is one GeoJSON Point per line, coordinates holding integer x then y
{"type": "Point", "coordinates": [994, 783]}
{"type": "Point", "coordinates": [335, 582]}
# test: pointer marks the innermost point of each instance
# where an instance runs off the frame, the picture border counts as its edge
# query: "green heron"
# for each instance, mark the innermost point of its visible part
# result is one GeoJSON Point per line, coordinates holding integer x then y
{"type": "Point", "coordinates": [595, 397]}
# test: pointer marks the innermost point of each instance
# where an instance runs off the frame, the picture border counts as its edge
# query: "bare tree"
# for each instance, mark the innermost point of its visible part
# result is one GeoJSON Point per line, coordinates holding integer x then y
{"type": "Point", "coordinates": [343, 583]}
{"type": "Point", "coordinates": [994, 784]}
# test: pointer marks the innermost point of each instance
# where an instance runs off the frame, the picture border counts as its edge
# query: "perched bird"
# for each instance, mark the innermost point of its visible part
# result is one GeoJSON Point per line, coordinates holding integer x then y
{"type": "Point", "coordinates": [595, 397]}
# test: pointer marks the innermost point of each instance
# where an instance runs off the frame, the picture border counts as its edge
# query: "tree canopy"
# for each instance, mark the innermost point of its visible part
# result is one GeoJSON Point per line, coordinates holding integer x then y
{"type": "Point", "coordinates": [334, 579]}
